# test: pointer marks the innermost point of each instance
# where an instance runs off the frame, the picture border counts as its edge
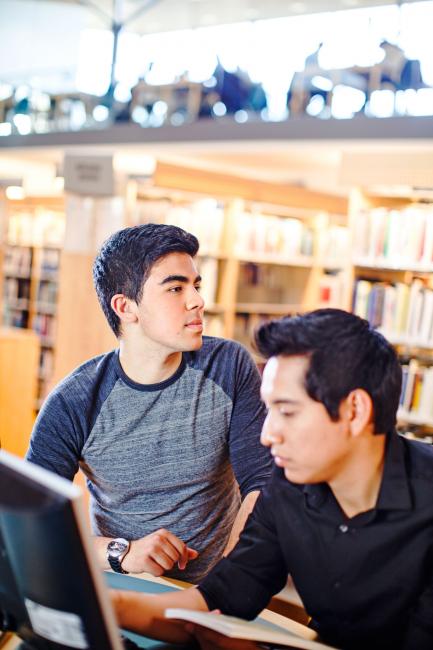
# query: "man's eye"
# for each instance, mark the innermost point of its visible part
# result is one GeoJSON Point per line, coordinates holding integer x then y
{"type": "Point", "coordinates": [175, 289]}
{"type": "Point", "coordinates": [198, 287]}
{"type": "Point", "coordinates": [287, 414]}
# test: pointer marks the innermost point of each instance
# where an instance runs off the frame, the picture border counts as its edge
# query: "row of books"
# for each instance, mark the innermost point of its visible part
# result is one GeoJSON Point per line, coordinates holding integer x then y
{"type": "Point", "coordinates": [44, 325]}
{"type": "Point", "coordinates": [14, 317]}
{"type": "Point", "coordinates": [259, 283]}
{"type": "Point", "coordinates": [46, 363]}
{"type": "Point", "coordinates": [395, 238]}
{"type": "Point", "coordinates": [18, 261]}
{"type": "Point", "coordinates": [403, 312]}
{"type": "Point", "coordinates": [333, 246]}
{"type": "Point", "coordinates": [47, 292]}
{"type": "Point", "coordinates": [331, 290]}
{"type": "Point", "coordinates": [245, 326]}
{"type": "Point", "coordinates": [16, 289]}
{"type": "Point", "coordinates": [49, 260]}
{"type": "Point", "coordinates": [285, 237]}
{"type": "Point", "coordinates": [417, 391]}
{"type": "Point", "coordinates": [40, 228]}
{"type": "Point", "coordinates": [203, 218]}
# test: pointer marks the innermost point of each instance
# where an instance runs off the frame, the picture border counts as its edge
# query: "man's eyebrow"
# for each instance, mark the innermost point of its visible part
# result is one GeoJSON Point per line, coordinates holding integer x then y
{"type": "Point", "coordinates": [292, 402]}
{"type": "Point", "coordinates": [179, 278]}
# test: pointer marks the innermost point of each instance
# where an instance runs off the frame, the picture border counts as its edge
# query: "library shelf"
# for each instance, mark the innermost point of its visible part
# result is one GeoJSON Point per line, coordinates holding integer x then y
{"type": "Point", "coordinates": [392, 275]}
{"type": "Point", "coordinates": [264, 308]}
{"type": "Point", "coordinates": [214, 309]}
{"type": "Point", "coordinates": [29, 275]}
{"type": "Point", "coordinates": [408, 417]}
{"type": "Point", "coordinates": [277, 260]}
{"type": "Point", "coordinates": [396, 267]}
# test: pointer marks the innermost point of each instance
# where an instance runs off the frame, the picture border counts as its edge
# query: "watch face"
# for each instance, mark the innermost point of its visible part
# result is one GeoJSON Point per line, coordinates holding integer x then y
{"type": "Point", "coordinates": [117, 547]}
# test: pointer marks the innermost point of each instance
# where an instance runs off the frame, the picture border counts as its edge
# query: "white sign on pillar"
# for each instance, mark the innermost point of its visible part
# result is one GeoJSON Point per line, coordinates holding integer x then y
{"type": "Point", "coordinates": [93, 211]}
{"type": "Point", "coordinates": [89, 175]}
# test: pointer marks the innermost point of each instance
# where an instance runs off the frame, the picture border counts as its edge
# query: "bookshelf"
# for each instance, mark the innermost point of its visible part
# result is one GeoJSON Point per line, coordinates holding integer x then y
{"type": "Point", "coordinates": [31, 260]}
{"type": "Point", "coordinates": [19, 354]}
{"type": "Point", "coordinates": [392, 276]}
{"type": "Point", "coordinates": [258, 259]}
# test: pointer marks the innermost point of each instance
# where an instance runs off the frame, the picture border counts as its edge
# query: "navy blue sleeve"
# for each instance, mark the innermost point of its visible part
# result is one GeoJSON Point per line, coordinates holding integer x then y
{"type": "Point", "coordinates": [57, 438]}
{"type": "Point", "coordinates": [251, 462]}
{"type": "Point", "coordinates": [243, 583]}
{"type": "Point", "coordinates": [68, 414]}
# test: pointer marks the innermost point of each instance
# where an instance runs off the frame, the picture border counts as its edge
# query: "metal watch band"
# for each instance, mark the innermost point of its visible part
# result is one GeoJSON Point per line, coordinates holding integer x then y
{"type": "Point", "coordinates": [116, 565]}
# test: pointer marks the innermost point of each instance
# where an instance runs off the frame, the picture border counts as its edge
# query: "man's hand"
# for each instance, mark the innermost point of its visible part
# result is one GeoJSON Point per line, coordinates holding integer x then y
{"type": "Point", "coordinates": [210, 640]}
{"type": "Point", "coordinates": [157, 553]}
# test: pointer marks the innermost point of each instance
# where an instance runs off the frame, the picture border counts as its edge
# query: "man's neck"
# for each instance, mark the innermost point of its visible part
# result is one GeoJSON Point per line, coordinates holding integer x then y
{"type": "Point", "coordinates": [148, 364]}
{"type": "Point", "coordinates": [357, 487]}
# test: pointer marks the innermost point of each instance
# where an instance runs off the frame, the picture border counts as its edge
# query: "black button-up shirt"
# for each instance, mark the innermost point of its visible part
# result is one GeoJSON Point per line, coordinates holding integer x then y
{"type": "Point", "coordinates": [367, 582]}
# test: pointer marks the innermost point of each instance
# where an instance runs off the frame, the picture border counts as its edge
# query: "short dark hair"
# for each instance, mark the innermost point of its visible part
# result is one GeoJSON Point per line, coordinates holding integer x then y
{"type": "Point", "coordinates": [345, 353]}
{"type": "Point", "coordinates": [127, 257]}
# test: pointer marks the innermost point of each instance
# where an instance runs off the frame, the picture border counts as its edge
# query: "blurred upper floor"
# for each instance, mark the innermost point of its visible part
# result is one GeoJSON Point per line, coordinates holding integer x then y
{"type": "Point", "coordinates": [68, 67]}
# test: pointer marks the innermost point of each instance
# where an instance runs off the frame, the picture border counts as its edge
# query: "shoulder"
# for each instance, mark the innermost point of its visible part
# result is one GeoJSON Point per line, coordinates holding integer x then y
{"type": "Point", "coordinates": [419, 458]}
{"type": "Point", "coordinates": [79, 386]}
{"type": "Point", "coordinates": [225, 362]}
{"type": "Point", "coordinates": [220, 350]}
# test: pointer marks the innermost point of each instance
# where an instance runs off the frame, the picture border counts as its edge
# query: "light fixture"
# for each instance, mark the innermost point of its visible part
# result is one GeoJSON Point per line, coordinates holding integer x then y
{"type": "Point", "coordinates": [15, 193]}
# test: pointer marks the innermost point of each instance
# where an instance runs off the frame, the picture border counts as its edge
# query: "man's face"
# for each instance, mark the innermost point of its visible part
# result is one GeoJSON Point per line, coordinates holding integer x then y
{"type": "Point", "coordinates": [170, 312]}
{"type": "Point", "coordinates": [303, 439]}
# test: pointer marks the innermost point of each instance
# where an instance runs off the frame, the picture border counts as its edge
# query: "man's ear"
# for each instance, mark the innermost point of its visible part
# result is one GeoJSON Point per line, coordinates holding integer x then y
{"type": "Point", "coordinates": [124, 308]}
{"type": "Point", "coordinates": [360, 411]}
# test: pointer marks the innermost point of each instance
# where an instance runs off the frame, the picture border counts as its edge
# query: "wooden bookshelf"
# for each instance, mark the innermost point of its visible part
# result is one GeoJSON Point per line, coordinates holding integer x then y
{"type": "Point", "coordinates": [19, 361]}
{"type": "Point", "coordinates": [30, 264]}
{"type": "Point", "coordinates": [392, 276]}
{"type": "Point", "coordinates": [269, 259]}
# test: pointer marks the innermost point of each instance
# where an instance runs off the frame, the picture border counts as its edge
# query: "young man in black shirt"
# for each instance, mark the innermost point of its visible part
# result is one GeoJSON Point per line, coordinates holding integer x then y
{"type": "Point", "coordinates": [348, 511]}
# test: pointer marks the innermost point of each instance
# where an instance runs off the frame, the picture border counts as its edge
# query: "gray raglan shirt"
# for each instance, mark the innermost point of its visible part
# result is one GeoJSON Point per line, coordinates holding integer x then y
{"type": "Point", "coordinates": [177, 455]}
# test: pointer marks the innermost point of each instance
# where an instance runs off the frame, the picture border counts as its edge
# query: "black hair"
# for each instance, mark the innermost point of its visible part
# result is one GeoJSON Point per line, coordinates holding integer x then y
{"type": "Point", "coordinates": [345, 353]}
{"type": "Point", "coordinates": [126, 259]}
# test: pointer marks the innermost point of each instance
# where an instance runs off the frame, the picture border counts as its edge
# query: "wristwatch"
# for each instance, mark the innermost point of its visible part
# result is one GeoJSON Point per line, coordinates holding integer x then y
{"type": "Point", "coordinates": [116, 551]}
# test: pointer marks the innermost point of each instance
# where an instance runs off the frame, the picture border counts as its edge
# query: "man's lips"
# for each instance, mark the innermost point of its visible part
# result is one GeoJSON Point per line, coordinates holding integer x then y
{"type": "Point", "coordinates": [195, 324]}
{"type": "Point", "coordinates": [280, 460]}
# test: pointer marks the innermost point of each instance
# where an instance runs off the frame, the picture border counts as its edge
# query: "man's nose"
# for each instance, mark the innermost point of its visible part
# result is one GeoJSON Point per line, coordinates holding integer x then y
{"type": "Point", "coordinates": [270, 435]}
{"type": "Point", "coordinates": [195, 300]}
{"type": "Point", "coordinates": [265, 436]}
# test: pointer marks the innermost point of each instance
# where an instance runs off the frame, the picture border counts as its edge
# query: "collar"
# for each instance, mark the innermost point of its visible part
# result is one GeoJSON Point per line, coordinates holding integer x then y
{"type": "Point", "coordinates": [394, 492]}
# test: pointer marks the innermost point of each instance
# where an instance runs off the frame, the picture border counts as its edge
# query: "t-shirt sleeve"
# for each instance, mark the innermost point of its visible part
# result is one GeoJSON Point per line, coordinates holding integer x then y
{"type": "Point", "coordinates": [56, 439]}
{"type": "Point", "coordinates": [251, 462]}
{"type": "Point", "coordinates": [243, 583]}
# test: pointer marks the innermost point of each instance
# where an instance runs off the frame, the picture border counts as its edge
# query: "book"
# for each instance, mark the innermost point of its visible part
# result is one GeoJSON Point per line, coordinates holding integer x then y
{"type": "Point", "coordinates": [258, 630]}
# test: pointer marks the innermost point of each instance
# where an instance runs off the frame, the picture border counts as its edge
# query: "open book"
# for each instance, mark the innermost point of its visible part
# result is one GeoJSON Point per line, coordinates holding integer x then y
{"type": "Point", "coordinates": [258, 630]}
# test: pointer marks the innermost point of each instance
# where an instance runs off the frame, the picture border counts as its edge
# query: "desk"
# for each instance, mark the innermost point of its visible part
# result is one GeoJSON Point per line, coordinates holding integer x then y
{"type": "Point", "coordinates": [148, 584]}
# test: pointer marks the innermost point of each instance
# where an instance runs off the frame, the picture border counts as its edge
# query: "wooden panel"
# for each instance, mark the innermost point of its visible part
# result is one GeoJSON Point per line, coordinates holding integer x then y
{"type": "Point", "coordinates": [19, 362]}
{"type": "Point", "coordinates": [82, 331]}
{"type": "Point", "coordinates": [219, 184]}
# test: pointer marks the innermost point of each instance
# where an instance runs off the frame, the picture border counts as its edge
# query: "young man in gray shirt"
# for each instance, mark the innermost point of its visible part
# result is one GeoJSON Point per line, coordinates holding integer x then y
{"type": "Point", "coordinates": [166, 428]}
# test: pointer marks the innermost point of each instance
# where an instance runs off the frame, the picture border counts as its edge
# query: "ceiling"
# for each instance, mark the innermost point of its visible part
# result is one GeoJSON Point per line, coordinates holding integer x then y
{"type": "Point", "coordinates": [150, 16]}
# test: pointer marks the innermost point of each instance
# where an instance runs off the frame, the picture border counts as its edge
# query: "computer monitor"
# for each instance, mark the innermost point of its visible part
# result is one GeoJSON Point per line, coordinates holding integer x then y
{"type": "Point", "coordinates": [51, 589]}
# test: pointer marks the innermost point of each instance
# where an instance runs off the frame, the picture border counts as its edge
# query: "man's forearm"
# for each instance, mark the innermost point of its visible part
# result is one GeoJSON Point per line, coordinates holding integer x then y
{"type": "Point", "coordinates": [144, 614]}
{"type": "Point", "coordinates": [246, 508]}
{"type": "Point", "coordinates": [100, 544]}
